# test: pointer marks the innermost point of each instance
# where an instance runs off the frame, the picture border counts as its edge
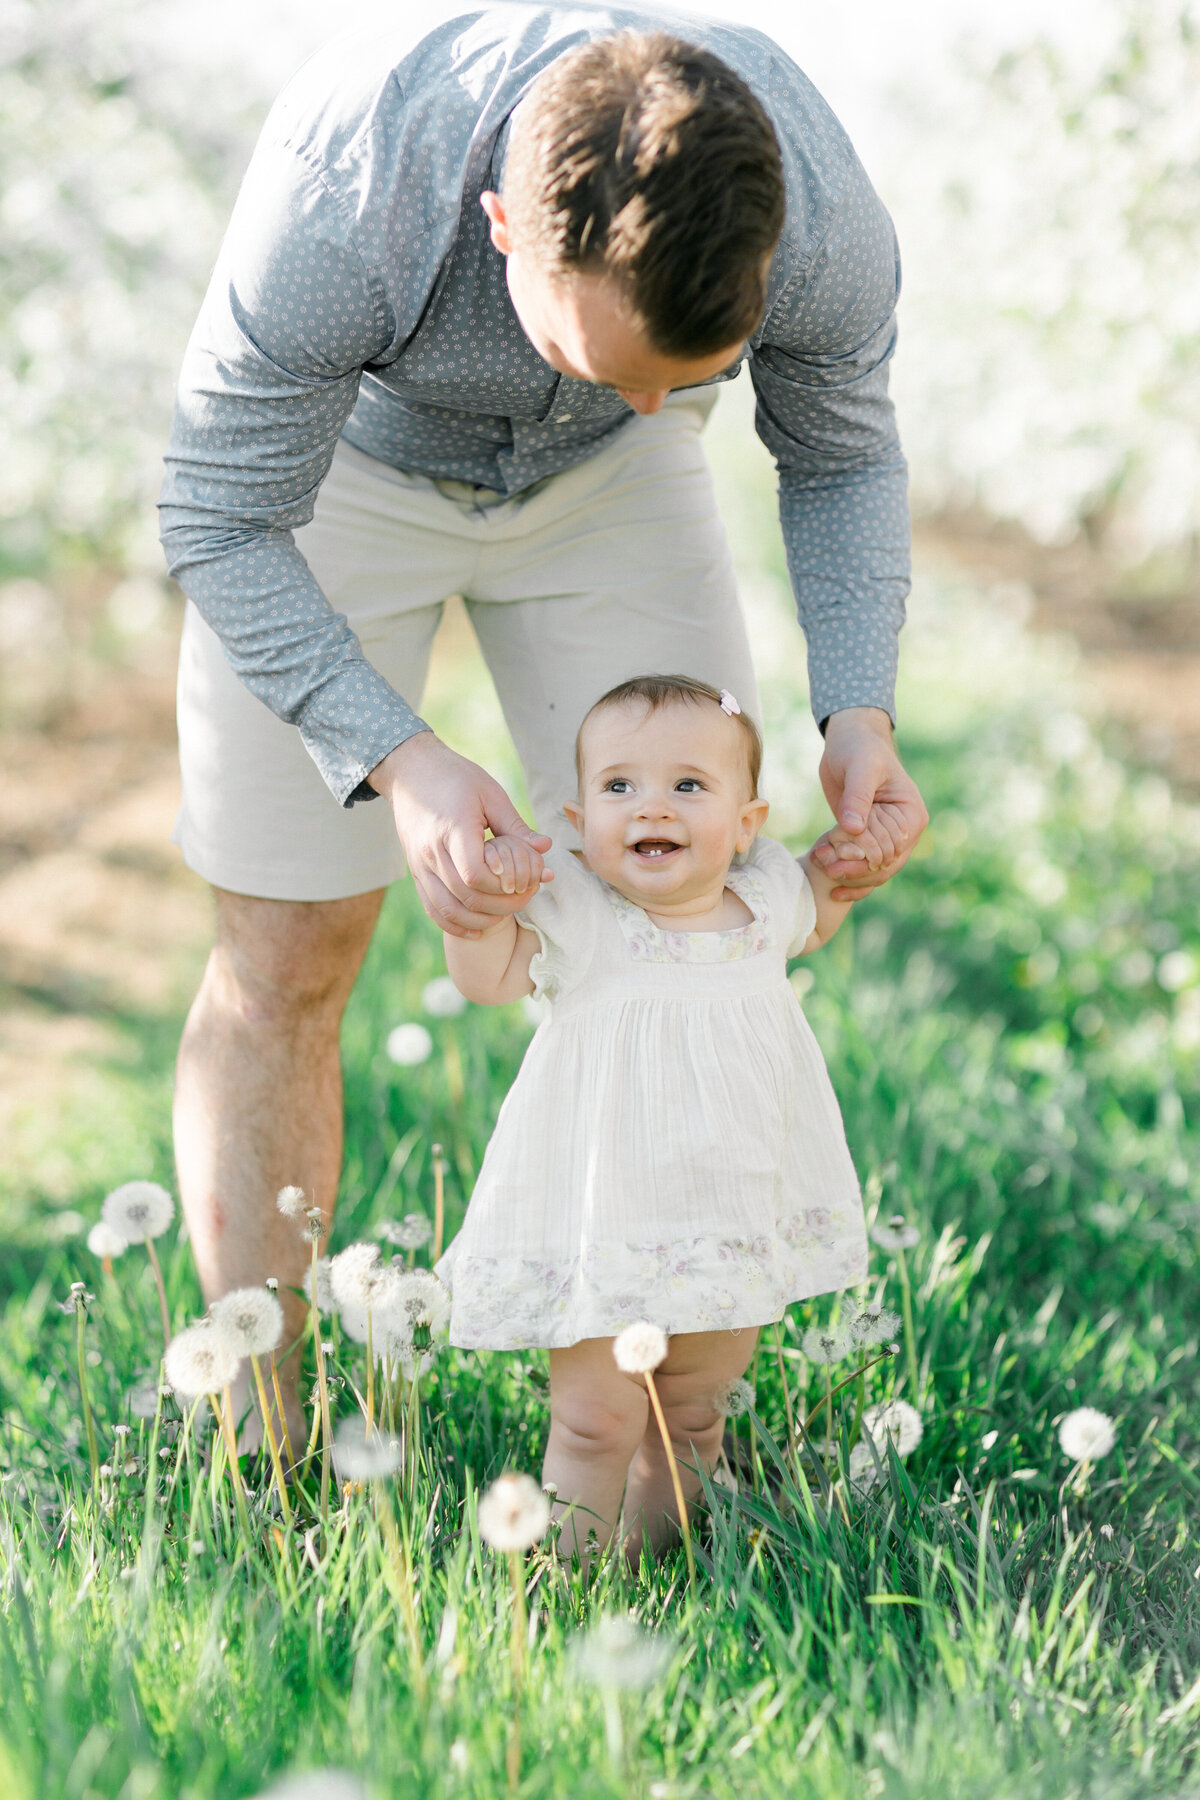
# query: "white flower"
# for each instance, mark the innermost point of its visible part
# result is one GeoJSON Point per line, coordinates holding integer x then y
{"type": "Point", "coordinates": [409, 1045]}
{"type": "Point", "coordinates": [441, 999]}
{"type": "Point", "coordinates": [733, 1398]}
{"type": "Point", "coordinates": [896, 1234]}
{"type": "Point", "coordinates": [138, 1210]}
{"type": "Point", "coordinates": [408, 1233]}
{"type": "Point", "coordinates": [1086, 1434]}
{"type": "Point", "coordinates": [864, 1466]}
{"type": "Point", "coordinates": [617, 1653]}
{"type": "Point", "coordinates": [894, 1419]}
{"type": "Point", "coordinates": [826, 1343]}
{"type": "Point", "coordinates": [640, 1348]}
{"type": "Point", "coordinates": [104, 1240]}
{"type": "Point", "coordinates": [513, 1513]}
{"type": "Point", "coordinates": [290, 1201]}
{"type": "Point", "coordinates": [419, 1302]}
{"type": "Point", "coordinates": [250, 1317]}
{"type": "Point", "coordinates": [358, 1277]}
{"type": "Point", "coordinates": [316, 1226]}
{"type": "Point", "coordinates": [1177, 970]}
{"type": "Point", "coordinates": [316, 1784]}
{"type": "Point", "coordinates": [873, 1323]}
{"type": "Point", "coordinates": [362, 1455]}
{"type": "Point", "coordinates": [202, 1360]}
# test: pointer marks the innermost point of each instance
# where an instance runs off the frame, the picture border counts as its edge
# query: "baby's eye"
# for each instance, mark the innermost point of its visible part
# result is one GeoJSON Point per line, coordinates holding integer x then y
{"type": "Point", "coordinates": [689, 785]}
{"type": "Point", "coordinates": [618, 784]}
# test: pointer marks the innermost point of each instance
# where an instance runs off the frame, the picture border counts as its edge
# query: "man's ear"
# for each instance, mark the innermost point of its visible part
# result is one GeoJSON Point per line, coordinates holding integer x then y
{"type": "Point", "coordinates": [493, 206]}
{"type": "Point", "coordinates": [754, 817]}
{"type": "Point", "coordinates": [574, 812]}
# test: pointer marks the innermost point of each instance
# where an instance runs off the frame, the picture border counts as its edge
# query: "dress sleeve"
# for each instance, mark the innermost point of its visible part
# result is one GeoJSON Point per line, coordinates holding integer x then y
{"type": "Point", "coordinates": [563, 915]}
{"type": "Point", "coordinates": [794, 905]}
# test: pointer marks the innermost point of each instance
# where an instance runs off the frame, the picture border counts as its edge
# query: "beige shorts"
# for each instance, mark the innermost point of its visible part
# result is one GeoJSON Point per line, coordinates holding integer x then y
{"type": "Point", "coordinates": [618, 567]}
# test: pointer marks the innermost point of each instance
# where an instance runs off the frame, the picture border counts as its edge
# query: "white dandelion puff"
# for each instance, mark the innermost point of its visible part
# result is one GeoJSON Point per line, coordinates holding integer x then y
{"type": "Point", "coordinates": [419, 1302]}
{"type": "Point", "coordinates": [202, 1360]}
{"type": "Point", "coordinates": [894, 1419]}
{"type": "Point", "coordinates": [408, 1233]}
{"type": "Point", "coordinates": [513, 1513]}
{"type": "Point", "coordinates": [409, 1045]}
{"type": "Point", "coordinates": [316, 1784]}
{"type": "Point", "coordinates": [359, 1277]}
{"type": "Point", "coordinates": [872, 1323]}
{"type": "Point", "coordinates": [826, 1343]}
{"type": "Point", "coordinates": [105, 1240]}
{"type": "Point", "coordinates": [897, 1234]}
{"type": "Point", "coordinates": [1086, 1434]}
{"type": "Point", "coordinates": [441, 999]}
{"type": "Point", "coordinates": [618, 1653]}
{"type": "Point", "coordinates": [325, 1300]}
{"type": "Point", "coordinates": [138, 1210]}
{"type": "Point", "coordinates": [316, 1226]}
{"type": "Point", "coordinates": [362, 1455]}
{"type": "Point", "coordinates": [78, 1300]}
{"type": "Point", "coordinates": [290, 1201]}
{"type": "Point", "coordinates": [251, 1317]}
{"type": "Point", "coordinates": [733, 1398]}
{"type": "Point", "coordinates": [864, 1466]}
{"type": "Point", "coordinates": [640, 1348]}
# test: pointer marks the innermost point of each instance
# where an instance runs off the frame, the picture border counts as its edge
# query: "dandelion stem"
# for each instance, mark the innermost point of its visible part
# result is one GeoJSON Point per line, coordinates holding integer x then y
{"type": "Point", "coordinates": [370, 1374]}
{"type": "Point", "coordinates": [272, 1440]}
{"type": "Point", "coordinates": [827, 1397]}
{"type": "Point", "coordinates": [614, 1727]}
{"type": "Point", "coordinates": [516, 1575]}
{"type": "Point", "coordinates": [439, 1200]}
{"type": "Point", "coordinates": [322, 1388]}
{"type": "Point", "coordinates": [681, 1503]}
{"type": "Point", "coordinates": [223, 1411]}
{"type": "Point", "coordinates": [783, 1382]}
{"type": "Point", "coordinates": [402, 1586]}
{"type": "Point", "coordinates": [89, 1424]}
{"type": "Point", "coordinates": [859, 1399]}
{"type": "Point", "coordinates": [910, 1341]}
{"type": "Point", "coordinates": [283, 1424]}
{"type": "Point", "coordinates": [152, 1253]}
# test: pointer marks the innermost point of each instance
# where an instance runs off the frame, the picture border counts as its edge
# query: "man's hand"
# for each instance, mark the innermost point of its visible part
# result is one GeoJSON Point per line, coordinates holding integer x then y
{"type": "Point", "coordinates": [875, 802]}
{"type": "Point", "coordinates": [444, 807]}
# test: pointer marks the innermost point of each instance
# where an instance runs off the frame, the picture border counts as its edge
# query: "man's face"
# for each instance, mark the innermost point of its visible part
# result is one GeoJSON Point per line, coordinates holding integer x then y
{"type": "Point", "coordinates": [579, 324]}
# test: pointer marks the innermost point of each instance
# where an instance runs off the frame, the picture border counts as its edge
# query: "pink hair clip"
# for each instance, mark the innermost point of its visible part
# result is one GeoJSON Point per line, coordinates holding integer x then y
{"type": "Point", "coordinates": [729, 705]}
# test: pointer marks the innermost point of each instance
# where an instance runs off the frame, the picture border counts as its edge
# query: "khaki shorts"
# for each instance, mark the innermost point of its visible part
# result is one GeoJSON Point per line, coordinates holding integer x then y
{"type": "Point", "coordinates": [618, 567]}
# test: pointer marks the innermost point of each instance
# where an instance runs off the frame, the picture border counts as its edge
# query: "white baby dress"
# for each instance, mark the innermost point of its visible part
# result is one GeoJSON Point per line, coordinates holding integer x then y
{"type": "Point", "coordinates": [671, 1148]}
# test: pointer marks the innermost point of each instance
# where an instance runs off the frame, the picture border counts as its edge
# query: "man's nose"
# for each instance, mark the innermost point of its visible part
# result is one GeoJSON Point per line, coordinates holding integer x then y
{"type": "Point", "coordinates": [644, 400]}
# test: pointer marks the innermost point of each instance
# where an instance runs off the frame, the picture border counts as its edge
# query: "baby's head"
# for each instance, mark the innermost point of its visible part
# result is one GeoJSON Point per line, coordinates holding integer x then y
{"type": "Point", "coordinates": [668, 773]}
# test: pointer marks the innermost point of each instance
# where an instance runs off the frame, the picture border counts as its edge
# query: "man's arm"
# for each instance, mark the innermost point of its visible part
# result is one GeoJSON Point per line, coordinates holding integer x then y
{"type": "Point", "coordinates": [820, 375]}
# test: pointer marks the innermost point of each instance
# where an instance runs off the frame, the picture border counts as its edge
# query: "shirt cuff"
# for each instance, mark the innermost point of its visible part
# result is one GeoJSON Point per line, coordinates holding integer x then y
{"type": "Point", "coordinates": [350, 724]}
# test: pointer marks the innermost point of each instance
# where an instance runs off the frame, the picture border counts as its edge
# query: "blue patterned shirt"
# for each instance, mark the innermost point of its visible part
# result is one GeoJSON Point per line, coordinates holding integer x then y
{"type": "Point", "coordinates": [358, 294]}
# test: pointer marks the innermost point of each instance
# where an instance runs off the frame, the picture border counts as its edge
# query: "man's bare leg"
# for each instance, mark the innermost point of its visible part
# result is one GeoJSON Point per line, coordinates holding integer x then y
{"type": "Point", "coordinates": [258, 1094]}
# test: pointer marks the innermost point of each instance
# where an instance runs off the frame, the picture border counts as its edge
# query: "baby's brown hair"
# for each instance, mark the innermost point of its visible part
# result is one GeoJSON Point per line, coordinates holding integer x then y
{"type": "Point", "coordinates": [670, 690]}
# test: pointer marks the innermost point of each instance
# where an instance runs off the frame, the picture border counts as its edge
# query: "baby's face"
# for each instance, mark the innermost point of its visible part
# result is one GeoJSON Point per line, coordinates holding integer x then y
{"type": "Point", "coordinates": [664, 801]}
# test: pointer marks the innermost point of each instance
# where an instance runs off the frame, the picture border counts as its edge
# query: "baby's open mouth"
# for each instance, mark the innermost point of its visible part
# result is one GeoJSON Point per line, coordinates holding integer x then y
{"type": "Point", "coordinates": [654, 847]}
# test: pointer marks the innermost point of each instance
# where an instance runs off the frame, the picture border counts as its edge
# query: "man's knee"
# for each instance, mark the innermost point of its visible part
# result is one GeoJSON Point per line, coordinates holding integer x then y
{"type": "Point", "coordinates": [278, 960]}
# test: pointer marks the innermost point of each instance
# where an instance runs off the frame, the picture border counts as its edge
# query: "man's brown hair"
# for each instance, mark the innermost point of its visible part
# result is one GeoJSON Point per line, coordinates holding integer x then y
{"type": "Point", "coordinates": [656, 691]}
{"type": "Point", "coordinates": [646, 159]}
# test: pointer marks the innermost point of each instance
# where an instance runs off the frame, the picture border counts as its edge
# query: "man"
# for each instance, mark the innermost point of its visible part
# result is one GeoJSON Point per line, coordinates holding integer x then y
{"type": "Point", "coordinates": [461, 338]}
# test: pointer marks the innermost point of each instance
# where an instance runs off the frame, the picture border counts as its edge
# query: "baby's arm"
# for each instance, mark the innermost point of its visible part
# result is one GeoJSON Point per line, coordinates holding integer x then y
{"type": "Point", "coordinates": [830, 912]}
{"type": "Point", "coordinates": [494, 967]}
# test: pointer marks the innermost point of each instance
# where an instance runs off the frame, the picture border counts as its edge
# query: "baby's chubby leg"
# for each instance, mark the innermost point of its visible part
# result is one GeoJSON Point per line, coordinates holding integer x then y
{"type": "Point", "coordinates": [598, 1418]}
{"type": "Point", "coordinates": [698, 1364]}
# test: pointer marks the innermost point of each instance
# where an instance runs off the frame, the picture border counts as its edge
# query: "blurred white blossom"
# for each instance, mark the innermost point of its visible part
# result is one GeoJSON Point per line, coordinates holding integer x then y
{"type": "Point", "coordinates": [441, 999]}
{"type": "Point", "coordinates": [409, 1044]}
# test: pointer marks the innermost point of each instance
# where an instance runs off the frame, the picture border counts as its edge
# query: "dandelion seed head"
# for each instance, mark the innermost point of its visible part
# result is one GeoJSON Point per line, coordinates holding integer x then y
{"type": "Point", "coordinates": [441, 999]}
{"type": "Point", "coordinates": [203, 1359]}
{"type": "Point", "coordinates": [863, 1467]}
{"type": "Point", "coordinates": [138, 1210]}
{"type": "Point", "coordinates": [316, 1784]}
{"type": "Point", "coordinates": [325, 1300]}
{"type": "Point", "coordinates": [640, 1348]}
{"type": "Point", "coordinates": [826, 1343]}
{"type": "Point", "coordinates": [290, 1201]}
{"type": "Point", "coordinates": [105, 1240]}
{"type": "Point", "coordinates": [362, 1455]}
{"type": "Point", "coordinates": [513, 1513]}
{"type": "Point", "coordinates": [1086, 1434]}
{"type": "Point", "coordinates": [733, 1398]}
{"type": "Point", "coordinates": [78, 1300]}
{"type": "Point", "coordinates": [897, 1234]}
{"type": "Point", "coordinates": [316, 1226]}
{"type": "Point", "coordinates": [418, 1304]}
{"type": "Point", "coordinates": [894, 1419]}
{"type": "Point", "coordinates": [272, 1286]}
{"type": "Point", "coordinates": [408, 1233]}
{"type": "Point", "coordinates": [251, 1318]}
{"type": "Point", "coordinates": [872, 1323]}
{"type": "Point", "coordinates": [359, 1277]}
{"type": "Point", "coordinates": [618, 1653]}
{"type": "Point", "coordinates": [409, 1045]}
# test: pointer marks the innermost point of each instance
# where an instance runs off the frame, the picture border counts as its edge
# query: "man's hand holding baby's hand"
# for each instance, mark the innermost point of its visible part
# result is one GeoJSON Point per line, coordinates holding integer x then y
{"type": "Point", "coordinates": [877, 803]}
{"type": "Point", "coordinates": [516, 865]}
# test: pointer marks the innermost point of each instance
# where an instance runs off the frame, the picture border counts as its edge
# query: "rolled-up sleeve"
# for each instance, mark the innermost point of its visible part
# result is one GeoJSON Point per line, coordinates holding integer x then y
{"type": "Point", "coordinates": [270, 377]}
{"type": "Point", "coordinates": [821, 380]}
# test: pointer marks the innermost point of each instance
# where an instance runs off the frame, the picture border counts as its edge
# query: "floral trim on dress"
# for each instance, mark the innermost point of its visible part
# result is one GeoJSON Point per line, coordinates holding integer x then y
{"type": "Point", "coordinates": [698, 1284]}
{"type": "Point", "coordinates": [649, 942]}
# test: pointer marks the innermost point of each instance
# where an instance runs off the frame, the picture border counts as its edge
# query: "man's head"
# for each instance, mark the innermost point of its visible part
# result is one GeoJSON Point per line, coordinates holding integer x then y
{"type": "Point", "coordinates": [642, 200]}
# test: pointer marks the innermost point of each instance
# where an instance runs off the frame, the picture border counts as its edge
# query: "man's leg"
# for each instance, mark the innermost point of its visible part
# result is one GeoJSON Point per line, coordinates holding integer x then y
{"type": "Point", "coordinates": [258, 1095]}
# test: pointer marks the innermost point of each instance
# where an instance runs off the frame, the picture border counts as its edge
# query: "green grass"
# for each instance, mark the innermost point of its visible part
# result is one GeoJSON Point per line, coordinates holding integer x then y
{"type": "Point", "coordinates": [1013, 1030]}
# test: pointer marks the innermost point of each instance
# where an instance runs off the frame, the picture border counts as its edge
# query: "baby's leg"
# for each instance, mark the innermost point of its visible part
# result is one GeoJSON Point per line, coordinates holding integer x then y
{"type": "Point", "coordinates": [597, 1420]}
{"type": "Point", "coordinates": [697, 1364]}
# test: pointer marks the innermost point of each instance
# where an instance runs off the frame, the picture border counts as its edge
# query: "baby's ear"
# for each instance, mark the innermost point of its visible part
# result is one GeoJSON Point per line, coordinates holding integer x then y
{"type": "Point", "coordinates": [754, 817]}
{"type": "Point", "coordinates": [574, 812]}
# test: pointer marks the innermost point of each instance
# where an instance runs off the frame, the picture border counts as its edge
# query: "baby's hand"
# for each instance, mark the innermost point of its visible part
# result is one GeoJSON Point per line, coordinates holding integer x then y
{"type": "Point", "coordinates": [516, 864]}
{"type": "Point", "coordinates": [849, 849]}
